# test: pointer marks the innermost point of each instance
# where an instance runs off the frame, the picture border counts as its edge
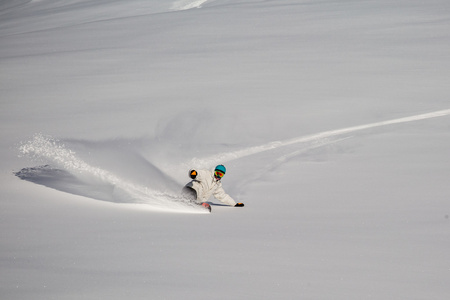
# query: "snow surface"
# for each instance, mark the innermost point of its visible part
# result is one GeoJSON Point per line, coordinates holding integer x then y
{"type": "Point", "coordinates": [332, 117]}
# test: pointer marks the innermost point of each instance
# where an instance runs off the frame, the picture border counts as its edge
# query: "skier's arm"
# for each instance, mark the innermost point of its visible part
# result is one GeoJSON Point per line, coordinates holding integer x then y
{"type": "Point", "coordinates": [223, 197]}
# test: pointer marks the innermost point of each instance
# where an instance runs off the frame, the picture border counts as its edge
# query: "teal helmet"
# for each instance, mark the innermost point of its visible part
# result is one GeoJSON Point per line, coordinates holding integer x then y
{"type": "Point", "coordinates": [219, 172]}
{"type": "Point", "coordinates": [221, 168]}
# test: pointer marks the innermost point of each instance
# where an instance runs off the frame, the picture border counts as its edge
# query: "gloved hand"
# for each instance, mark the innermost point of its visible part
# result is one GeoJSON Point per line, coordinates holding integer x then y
{"type": "Point", "coordinates": [239, 205]}
{"type": "Point", "coordinates": [193, 174]}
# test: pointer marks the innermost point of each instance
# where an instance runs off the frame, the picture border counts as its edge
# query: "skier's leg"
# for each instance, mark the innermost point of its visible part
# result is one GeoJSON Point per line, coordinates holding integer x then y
{"type": "Point", "coordinates": [189, 193]}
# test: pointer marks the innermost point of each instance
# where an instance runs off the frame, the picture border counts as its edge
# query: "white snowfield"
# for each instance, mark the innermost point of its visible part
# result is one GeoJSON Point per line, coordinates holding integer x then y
{"type": "Point", "coordinates": [332, 118]}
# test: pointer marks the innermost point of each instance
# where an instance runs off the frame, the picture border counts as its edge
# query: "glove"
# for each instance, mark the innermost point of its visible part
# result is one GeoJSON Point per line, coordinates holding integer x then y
{"type": "Point", "coordinates": [193, 174]}
{"type": "Point", "coordinates": [239, 205]}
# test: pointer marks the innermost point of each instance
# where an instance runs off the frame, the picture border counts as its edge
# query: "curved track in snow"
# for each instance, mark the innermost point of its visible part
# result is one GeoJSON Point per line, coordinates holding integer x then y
{"type": "Point", "coordinates": [229, 156]}
{"type": "Point", "coordinates": [187, 4]}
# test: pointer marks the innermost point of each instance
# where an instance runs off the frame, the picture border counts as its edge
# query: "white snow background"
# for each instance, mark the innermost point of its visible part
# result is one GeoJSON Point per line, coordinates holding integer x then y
{"type": "Point", "coordinates": [332, 118]}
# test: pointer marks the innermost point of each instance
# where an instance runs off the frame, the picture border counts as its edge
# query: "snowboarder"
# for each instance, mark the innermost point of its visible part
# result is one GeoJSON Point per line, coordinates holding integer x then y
{"type": "Point", "coordinates": [205, 183]}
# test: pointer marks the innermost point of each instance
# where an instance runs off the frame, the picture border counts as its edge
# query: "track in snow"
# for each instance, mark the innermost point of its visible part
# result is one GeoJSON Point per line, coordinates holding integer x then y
{"type": "Point", "coordinates": [187, 4]}
{"type": "Point", "coordinates": [229, 156]}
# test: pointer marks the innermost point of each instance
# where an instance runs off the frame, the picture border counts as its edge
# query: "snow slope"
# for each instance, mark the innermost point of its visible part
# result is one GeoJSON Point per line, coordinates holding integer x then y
{"type": "Point", "coordinates": [332, 118]}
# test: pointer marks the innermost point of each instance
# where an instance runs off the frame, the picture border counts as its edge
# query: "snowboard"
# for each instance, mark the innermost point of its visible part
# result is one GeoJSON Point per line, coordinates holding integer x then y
{"type": "Point", "coordinates": [206, 206]}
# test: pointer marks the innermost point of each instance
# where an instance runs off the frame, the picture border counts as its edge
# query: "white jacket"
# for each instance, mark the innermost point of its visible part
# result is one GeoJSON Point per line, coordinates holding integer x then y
{"type": "Point", "coordinates": [206, 185]}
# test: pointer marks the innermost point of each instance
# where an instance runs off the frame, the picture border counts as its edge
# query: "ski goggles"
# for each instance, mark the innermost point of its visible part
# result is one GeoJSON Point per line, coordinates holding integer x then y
{"type": "Point", "coordinates": [218, 175]}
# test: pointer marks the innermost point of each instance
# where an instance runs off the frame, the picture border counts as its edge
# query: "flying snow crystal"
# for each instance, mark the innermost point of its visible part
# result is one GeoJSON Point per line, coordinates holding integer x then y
{"type": "Point", "coordinates": [53, 151]}
{"type": "Point", "coordinates": [47, 148]}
